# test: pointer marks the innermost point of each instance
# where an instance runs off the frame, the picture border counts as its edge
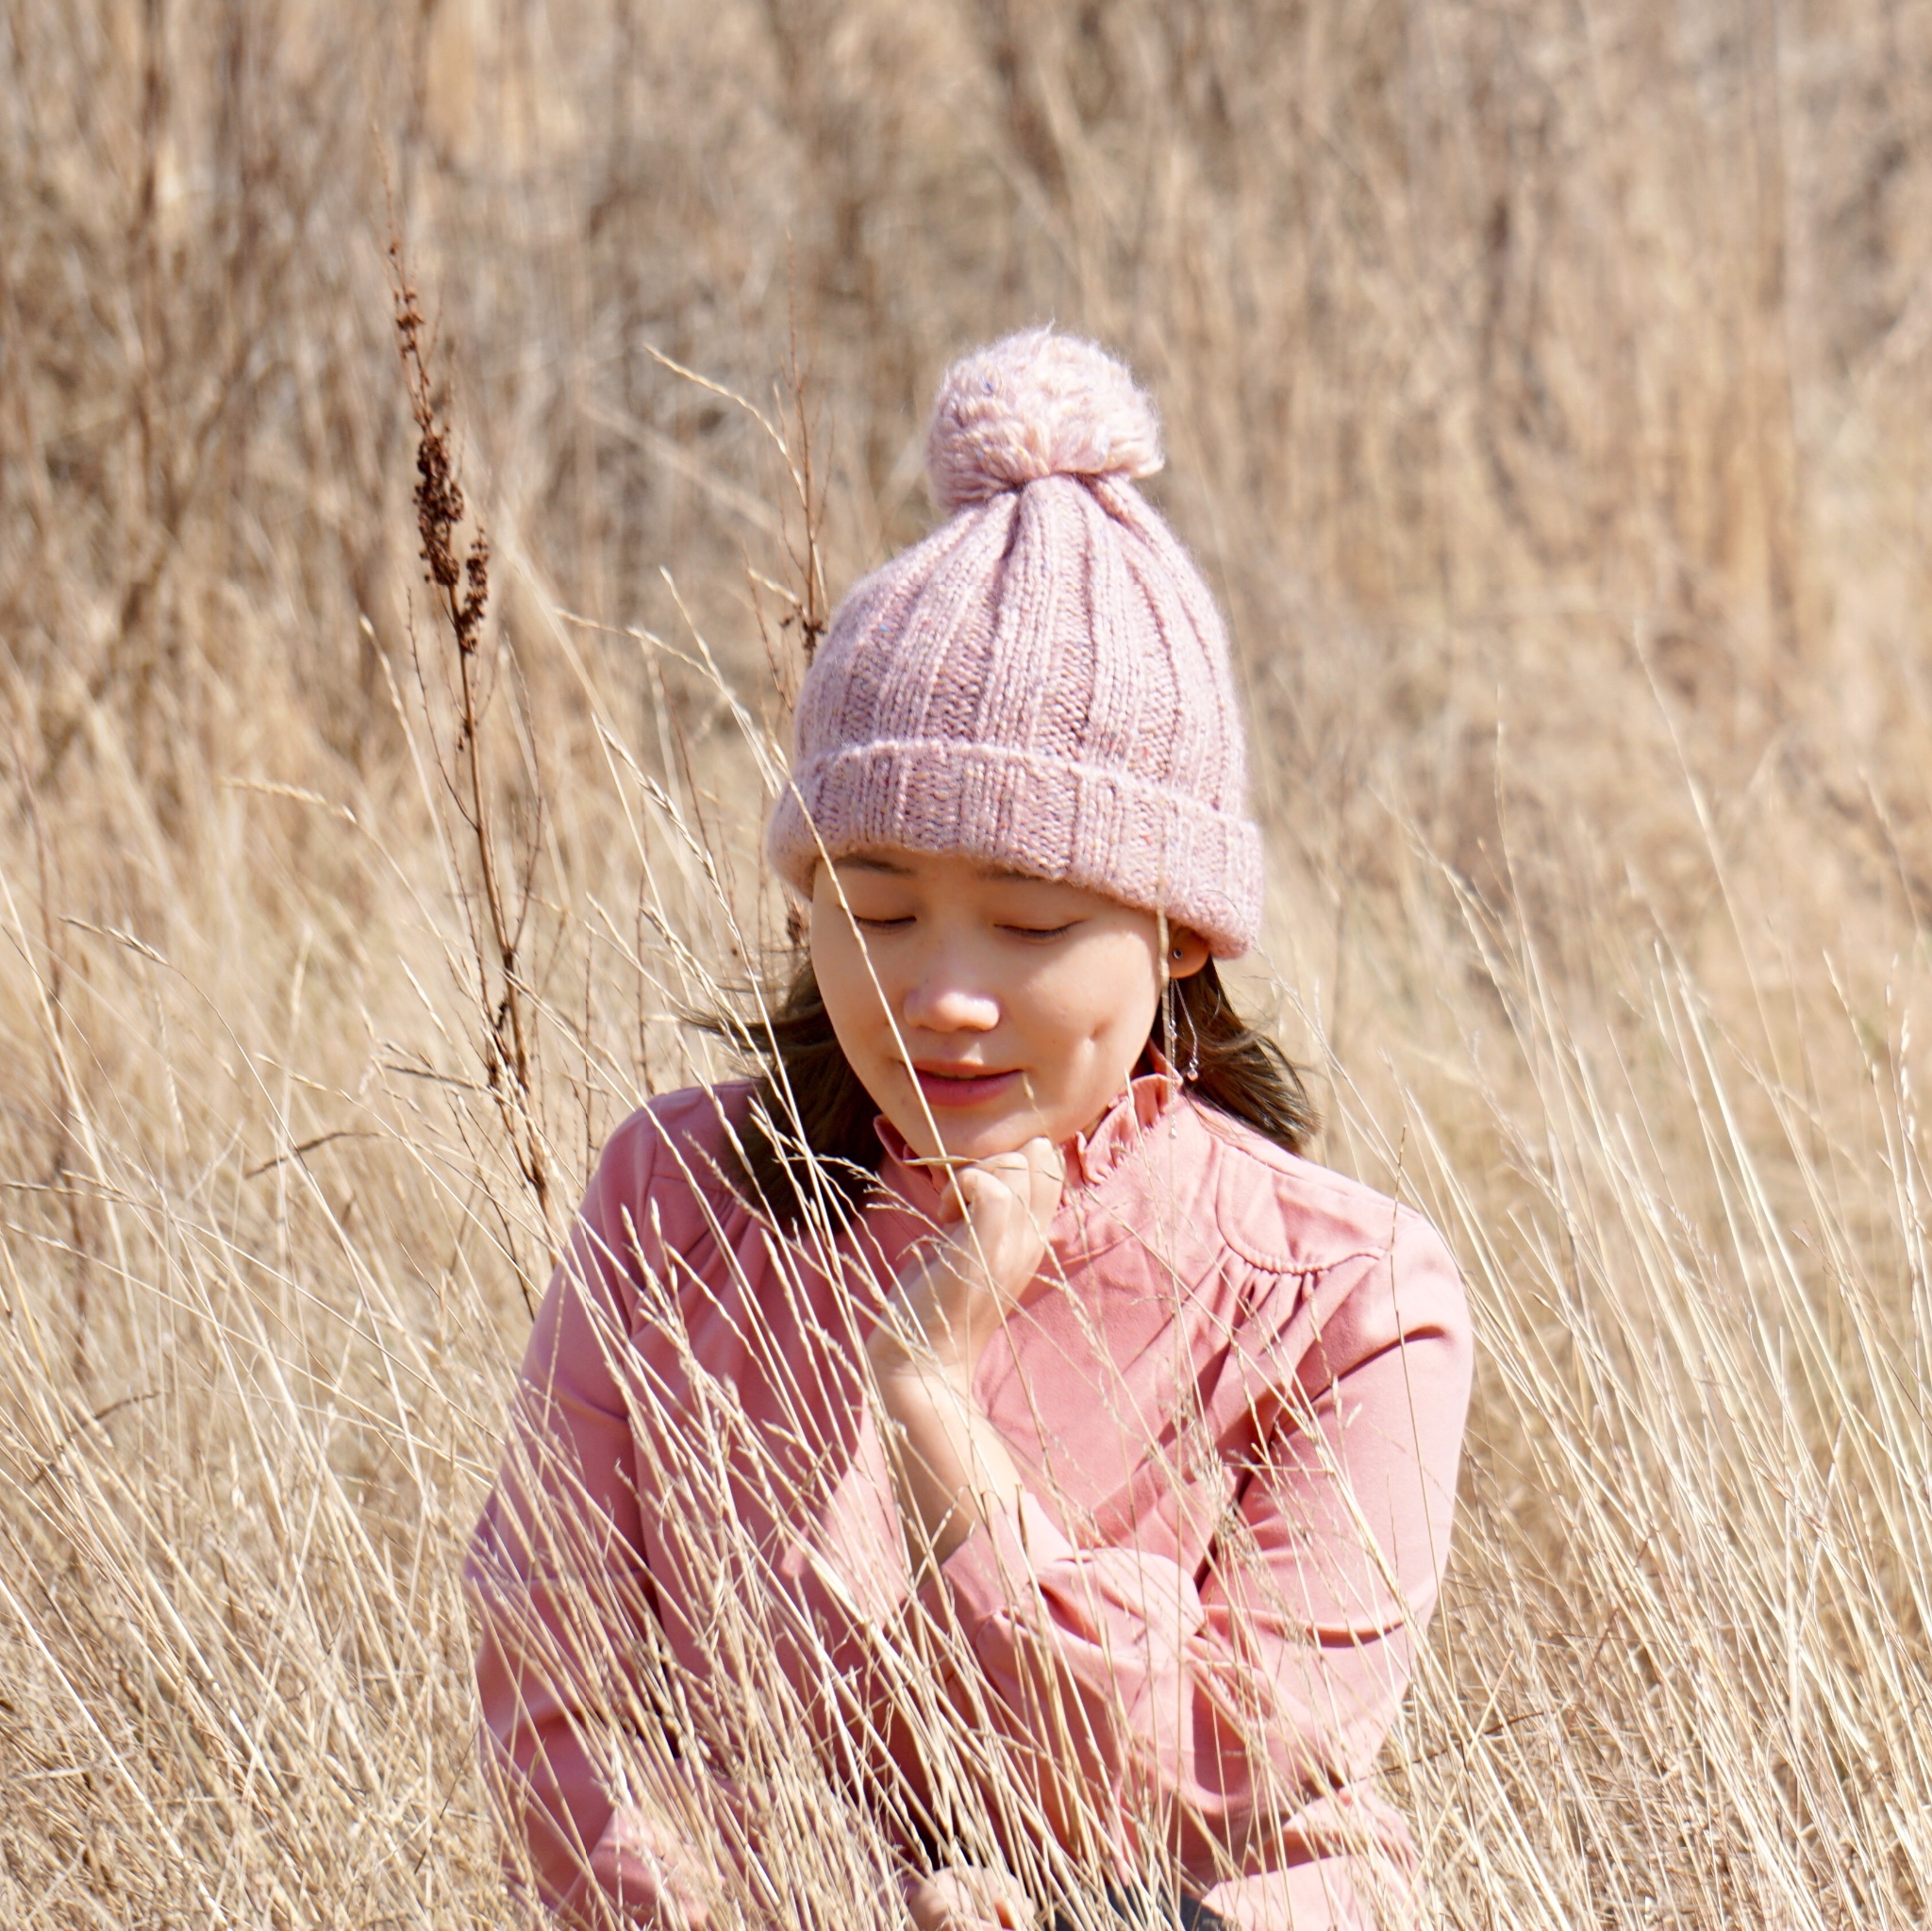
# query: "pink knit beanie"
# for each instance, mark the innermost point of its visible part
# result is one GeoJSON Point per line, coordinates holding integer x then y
{"type": "Point", "coordinates": [1044, 681]}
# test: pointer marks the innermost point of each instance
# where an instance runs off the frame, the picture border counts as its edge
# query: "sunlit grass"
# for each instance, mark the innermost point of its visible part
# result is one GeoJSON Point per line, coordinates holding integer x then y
{"type": "Point", "coordinates": [1577, 566]}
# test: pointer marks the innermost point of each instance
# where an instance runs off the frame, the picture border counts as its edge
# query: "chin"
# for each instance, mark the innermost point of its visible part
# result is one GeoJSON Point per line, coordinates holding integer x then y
{"type": "Point", "coordinates": [967, 1139]}
{"type": "Point", "coordinates": [982, 1139]}
{"type": "Point", "coordinates": [983, 1142]}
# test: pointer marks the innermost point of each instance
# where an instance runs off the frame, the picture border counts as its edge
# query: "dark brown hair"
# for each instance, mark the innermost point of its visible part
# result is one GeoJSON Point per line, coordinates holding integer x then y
{"type": "Point", "coordinates": [811, 1107]}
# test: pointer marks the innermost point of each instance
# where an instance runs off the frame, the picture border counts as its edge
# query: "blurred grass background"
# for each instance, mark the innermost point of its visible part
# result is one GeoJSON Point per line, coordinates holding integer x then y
{"type": "Point", "coordinates": [1546, 389]}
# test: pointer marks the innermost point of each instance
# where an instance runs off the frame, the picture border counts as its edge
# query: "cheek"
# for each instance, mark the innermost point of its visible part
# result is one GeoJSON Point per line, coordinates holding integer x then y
{"type": "Point", "coordinates": [1104, 1003]}
{"type": "Point", "coordinates": [1128, 1021]}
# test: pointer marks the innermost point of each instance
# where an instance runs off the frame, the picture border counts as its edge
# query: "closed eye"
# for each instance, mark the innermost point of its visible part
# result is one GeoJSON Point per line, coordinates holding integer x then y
{"type": "Point", "coordinates": [1041, 931]}
{"type": "Point", "coordinates": [882, 924]}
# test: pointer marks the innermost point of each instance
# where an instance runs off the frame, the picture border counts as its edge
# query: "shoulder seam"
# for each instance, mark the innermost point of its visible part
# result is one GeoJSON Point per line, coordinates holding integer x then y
{"type": "Point", "coordinates": [1283, 1266]}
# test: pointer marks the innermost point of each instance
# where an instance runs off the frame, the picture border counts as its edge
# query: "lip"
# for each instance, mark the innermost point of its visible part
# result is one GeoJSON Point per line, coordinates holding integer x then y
{"type": "Point", "coordinates": [961, 1086]}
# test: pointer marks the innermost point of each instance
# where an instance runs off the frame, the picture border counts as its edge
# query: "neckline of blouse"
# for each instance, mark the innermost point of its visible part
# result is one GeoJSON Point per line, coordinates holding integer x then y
{"type": "Point", "coordinates": [1147, 1098]}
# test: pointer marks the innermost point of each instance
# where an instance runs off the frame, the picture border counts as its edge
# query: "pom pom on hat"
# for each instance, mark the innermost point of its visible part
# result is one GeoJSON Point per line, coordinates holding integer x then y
{"type": "Point", "coordinates": [1035, 405]}
{"type": "Point", "coordinates": [1041, 683]}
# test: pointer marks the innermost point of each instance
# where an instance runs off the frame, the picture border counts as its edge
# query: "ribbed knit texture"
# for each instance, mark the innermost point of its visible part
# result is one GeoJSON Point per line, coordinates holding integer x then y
{"type": "Point", "coordinates": [1044, 682]}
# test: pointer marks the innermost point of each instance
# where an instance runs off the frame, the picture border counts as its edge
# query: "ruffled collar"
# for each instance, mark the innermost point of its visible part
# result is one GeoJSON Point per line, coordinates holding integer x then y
{"type": "Point", "coordinates": [1147, 1098]}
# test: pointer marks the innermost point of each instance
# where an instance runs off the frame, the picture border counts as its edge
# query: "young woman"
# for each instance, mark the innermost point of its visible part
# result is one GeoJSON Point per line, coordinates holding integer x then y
{"type": "Point", "coordinates": [986, 1412]}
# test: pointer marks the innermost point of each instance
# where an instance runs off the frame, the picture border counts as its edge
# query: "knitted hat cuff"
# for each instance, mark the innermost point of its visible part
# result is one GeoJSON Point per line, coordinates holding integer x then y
{"type": "Point", "coordinates": [1099, 827]}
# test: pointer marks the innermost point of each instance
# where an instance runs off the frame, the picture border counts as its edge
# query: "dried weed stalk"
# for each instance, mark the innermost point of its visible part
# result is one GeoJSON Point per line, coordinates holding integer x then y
{"type": "Point", "coordinates": [460, 592]}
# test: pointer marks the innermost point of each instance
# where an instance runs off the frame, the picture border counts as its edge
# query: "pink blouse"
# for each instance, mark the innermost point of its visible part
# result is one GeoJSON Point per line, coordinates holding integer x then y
{"type": "Point", "coordinates": [1236, 1391]}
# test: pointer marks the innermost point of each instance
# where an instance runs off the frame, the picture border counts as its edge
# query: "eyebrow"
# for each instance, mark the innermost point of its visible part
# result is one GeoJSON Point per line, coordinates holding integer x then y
{"type": "Point", "coordinates": [862, 861]}
{"type": "Point", "coordinates": [890, 868]}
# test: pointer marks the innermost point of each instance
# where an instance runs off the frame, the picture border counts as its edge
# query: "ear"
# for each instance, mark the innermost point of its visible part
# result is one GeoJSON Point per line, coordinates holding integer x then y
{"type": "Point", "coordinates": [1186, 953]}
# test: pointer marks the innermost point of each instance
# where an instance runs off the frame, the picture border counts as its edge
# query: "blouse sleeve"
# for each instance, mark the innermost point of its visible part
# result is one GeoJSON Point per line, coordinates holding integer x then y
{"type": "Point", "coordinates": [558, 1576]}
{"type": "Point", "coordinates": [1220, 1706]}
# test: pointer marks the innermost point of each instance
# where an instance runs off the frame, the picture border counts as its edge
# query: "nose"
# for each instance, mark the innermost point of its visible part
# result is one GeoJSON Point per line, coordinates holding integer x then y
{"type": "Point", "coordinates": [945, 999]}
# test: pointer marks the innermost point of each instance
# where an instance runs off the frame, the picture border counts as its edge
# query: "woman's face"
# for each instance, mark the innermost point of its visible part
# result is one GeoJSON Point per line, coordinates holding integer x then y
{"type": "Point", "coordinates": [981, 1008]}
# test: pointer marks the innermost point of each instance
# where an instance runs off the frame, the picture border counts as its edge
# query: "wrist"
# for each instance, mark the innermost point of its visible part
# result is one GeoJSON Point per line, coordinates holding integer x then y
{"type": "Point", "coordinates": [932, 1325]}
{"type": "Point", "coordinates": [917, 1371]}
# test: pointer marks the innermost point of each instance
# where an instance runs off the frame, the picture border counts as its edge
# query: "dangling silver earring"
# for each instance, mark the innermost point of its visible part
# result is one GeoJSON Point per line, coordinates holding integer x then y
{"type": "Point", "coordinates": [1190, 1071]}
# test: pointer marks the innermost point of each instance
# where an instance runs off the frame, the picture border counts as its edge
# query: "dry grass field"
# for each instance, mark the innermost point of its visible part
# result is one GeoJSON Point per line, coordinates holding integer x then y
{"type": "Point", "coordinates": [1547, 389]}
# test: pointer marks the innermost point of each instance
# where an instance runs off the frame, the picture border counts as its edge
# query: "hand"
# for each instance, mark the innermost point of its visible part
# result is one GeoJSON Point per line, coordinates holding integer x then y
{"type": "Point", "coordinates": [952, 1300]}
{"type": "Point", "coordinates": [963, 1897]}
{"type": "Point", "coordinates": [642, 1876]}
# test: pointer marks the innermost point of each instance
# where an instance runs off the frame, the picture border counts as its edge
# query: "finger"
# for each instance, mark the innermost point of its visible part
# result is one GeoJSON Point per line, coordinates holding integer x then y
{"type": "Point", "coordinates": [1047, 1158]}
{"type": "Point", "coordinates": [973, 1187]}
{"type": "Point", "coordinates": [1044, 1154]}
{"type": "Point", "coordinates": [1036, 1175]}
{"type": "Point", "coordinates": [997, 1902]}
{"type": "Point", "coordinates": [1012, 1174]}
{"type": "Point", "coordinates": [1001, 1903]}
{"type": "Point", "coordinates": [1016, 1159]}
{"type": "Point", "coordinates": [985, 1200]}
{"type": "Point", "coordinates": [983, 1887]}
{"type": "Point", "coordinates": [942, 1903]}
{"type": "Point", "coordinates": [983, 1186]}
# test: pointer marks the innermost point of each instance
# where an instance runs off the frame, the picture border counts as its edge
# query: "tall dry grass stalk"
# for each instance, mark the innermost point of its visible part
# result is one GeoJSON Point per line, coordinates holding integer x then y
{"type": "Point", "coordinates": [1547, 391]}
